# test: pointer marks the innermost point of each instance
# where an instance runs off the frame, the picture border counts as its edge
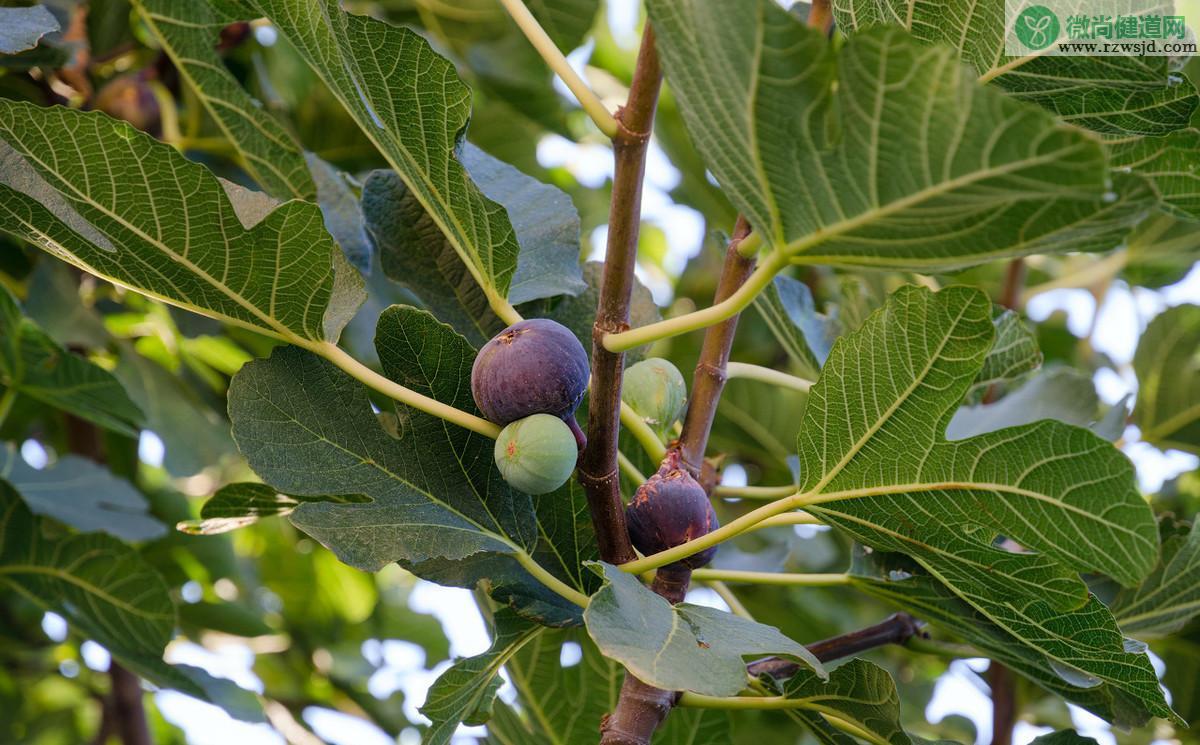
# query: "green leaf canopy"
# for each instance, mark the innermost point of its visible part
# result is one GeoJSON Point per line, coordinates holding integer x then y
{"type": "Point", "coordinates": [1167, 363]}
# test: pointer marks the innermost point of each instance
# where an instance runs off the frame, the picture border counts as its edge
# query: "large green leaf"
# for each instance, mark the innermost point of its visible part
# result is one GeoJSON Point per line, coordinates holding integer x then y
{"type": "Point", "coordinates": [679, 647]}
{"type": "Point", "coordinates": [188, 33]}
{"type": "Point", "coordinates": [97, 193]}
{"type": "Point", "coordinates": [857, 692]}
{"type": "Point", "coordinates": [1167, 363]}
{"type": "Point", "coordinates": [32, 364]}
{"type": "Point", "coordinates": [103, 588]}
{"type": "Point", "coordinates": [438, 505]}
{"type": "Point", "coordinates": [1161, 250]}
{"type": "Point", "coordinates": [415, 254]}
{"type": "Point", "coordinates": [466, 691]}
{"type": "Point", "coordinates": [1113, 95]}
{"type": "Point", "coordinates": [910, 165]}
{"type": "Point", "coordinates": [1170, 596]}
{"type": "Point", "coordinates": [410, 103]}
{"type": "Point", "coordinates": [79, 493]}
{"type": "Point", "coordinates": [1052, 650]}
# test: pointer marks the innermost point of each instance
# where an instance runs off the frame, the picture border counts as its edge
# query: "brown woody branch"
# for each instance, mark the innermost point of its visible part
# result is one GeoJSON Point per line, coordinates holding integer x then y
{"type": "Point", "coordinates": [897, 628]}
{"type": "Point", "coordinates": [642, 708]}
{"type": "Point", "coordinates": [597, 471]}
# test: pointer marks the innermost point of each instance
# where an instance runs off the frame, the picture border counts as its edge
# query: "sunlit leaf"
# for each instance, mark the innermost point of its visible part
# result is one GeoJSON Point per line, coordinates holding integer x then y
{"type": "Point", "coordinates": [1170, 596]}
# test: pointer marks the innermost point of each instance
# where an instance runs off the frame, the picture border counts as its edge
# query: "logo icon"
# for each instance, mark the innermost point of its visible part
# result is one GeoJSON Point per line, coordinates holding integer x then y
{"type": "Point", "coordinates": [1037, 27]}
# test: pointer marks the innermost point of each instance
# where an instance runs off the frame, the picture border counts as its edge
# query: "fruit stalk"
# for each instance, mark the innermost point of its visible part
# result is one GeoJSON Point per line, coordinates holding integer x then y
{"type": "Point", "coordinates": [598, 470]}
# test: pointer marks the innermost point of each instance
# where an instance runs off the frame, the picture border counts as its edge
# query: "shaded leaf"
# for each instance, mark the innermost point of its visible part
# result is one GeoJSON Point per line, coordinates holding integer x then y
{"type": "Point", "coordinates": [104, 589]}
{"type": "Point", "coordinates": [34, 365]}
{"type": "Point", "coordinates": [188, 33]}
{"type": "Point", "coordinates": [566, 21]}
{"type": "Point", "coordinates": [680, 647]}
{"type": "Point", "coordinates": [1170, 596]}
{"type": "Point", "coordinates": [1167, 363]}
{"type": "Point", "coordinates": [1063, 737]}
{"type": "Point", "coordinates": [415, 254]}
{"type": "Point", "coordinates": [1113, 95]}
{"type": "Point", "coordinates": [181, 237]}
{"type": "Point", "coordinates": [342, 209]}
{"type": "Point", "coordinates": [975, 177]}
{"type": "Point", "coordinates": [1161, 250]}
{"type": "Point", "coordinates": [82, 494]}
{"type": "Point", "coordinates": [806, 335]}
{"type": "Point", "coordinates": [236, 506]}
{"type": "Point", "coordinates": [1063, 394]}
{"type": "Point", "coordinates": [22, 28]}
{"type": "Point", "coordinates": [438, 505]}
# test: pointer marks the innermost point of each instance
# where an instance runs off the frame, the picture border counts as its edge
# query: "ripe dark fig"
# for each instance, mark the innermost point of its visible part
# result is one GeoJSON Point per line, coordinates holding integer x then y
{"type": "Point", "coordinates": [536, 454]}
{"type": "Point", "coordinates": [671, 508]}
{"type": "Point", "coordinates": [535, 366]}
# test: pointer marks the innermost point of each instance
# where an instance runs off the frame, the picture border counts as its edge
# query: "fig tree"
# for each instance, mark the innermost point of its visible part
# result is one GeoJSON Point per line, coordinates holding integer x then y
{"type": "Point", "coordinates": [536, 454]}
{"type": "Point", "coordinates": [671, 508]}
{"type": "Point", "coordinates": [536, 366]}
{"type": "Point", "coordinates": [656, 391]}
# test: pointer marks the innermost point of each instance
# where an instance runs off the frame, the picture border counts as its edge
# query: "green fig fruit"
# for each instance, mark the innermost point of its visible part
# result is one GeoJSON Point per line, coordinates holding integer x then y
{"type": "Point", "coordinates": [655, 389]}
{"type": "Point", "coordinates": [536, 454]}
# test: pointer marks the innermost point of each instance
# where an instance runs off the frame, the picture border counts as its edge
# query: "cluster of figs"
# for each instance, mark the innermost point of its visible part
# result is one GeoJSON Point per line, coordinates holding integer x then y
{"type": "Point", "coordinates": [531, 377]}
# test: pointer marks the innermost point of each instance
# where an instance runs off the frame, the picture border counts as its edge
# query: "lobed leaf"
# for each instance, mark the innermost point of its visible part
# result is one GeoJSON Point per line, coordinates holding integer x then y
{"type": "Point", "coordinates": [1169, 164]}
{"type": "Point", "coordinates": [910, 165]}
{"type": "Point", "coordinates": [1081, 656]}
{"type": "Point", "coordinates": [113, 201]}
{"type": "Point", "coordinates": [1170, 597]}
{"type": "Point", "coordinates": [1014, 353]}
{"type": "Point", "coordinates": [857, 692]}
{"type": "Point", "coordinates": [787, 307]}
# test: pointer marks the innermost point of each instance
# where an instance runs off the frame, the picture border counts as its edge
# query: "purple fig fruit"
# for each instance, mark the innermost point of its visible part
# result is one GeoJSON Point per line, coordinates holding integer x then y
{"type": "Point", "coordinates": [532, 367]}
{"type": "Point", "coordinates": [671, 508]}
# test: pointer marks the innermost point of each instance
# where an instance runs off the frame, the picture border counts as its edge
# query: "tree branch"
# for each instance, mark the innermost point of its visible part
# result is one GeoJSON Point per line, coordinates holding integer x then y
{"type": "Point", "coordinates": [598, 470]}
{"type": "Point", "coordinates": [1004, 702]}
{"type": "Point", "coordinates": [897, 628]}
{"type": "Point", "coordinates": [709, 378]}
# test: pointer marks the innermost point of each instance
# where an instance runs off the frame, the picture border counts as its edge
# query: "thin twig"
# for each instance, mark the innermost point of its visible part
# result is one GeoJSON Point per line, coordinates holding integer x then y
{"type": "Point", "coordinates": [897, 628]}
{"type": "Point", "coordinates": [709, 378]}
{"type": "Point", "coordinates": [598, 469]}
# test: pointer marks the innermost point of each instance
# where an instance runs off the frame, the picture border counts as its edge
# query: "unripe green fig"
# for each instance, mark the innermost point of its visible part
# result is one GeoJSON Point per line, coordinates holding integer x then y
{"type": "Point", "coordinates": [655, 389]}
{"type": "Point", "coordinates": [536, 454]}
